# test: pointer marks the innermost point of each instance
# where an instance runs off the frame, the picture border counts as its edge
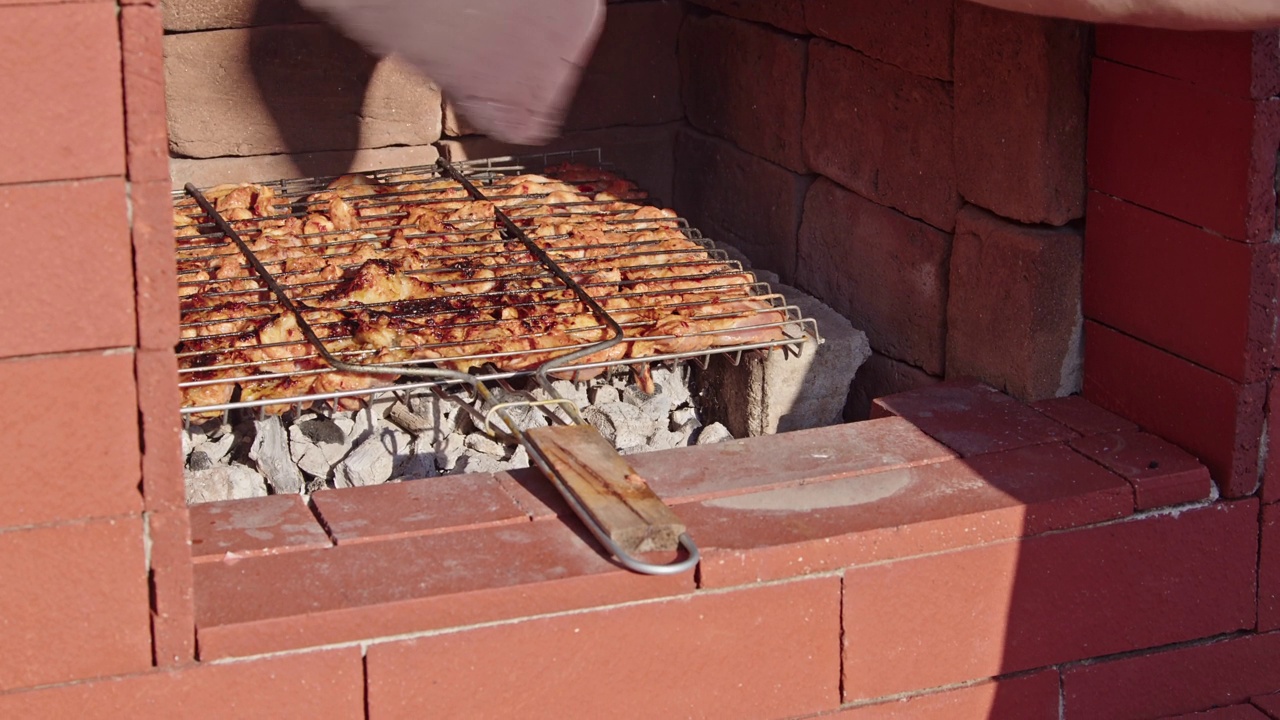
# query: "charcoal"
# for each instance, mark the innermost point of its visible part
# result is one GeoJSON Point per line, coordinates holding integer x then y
{"type": "Point", "coordinates": [480, 463]}
{"type": "Point", "coordinates": [685, 417]}
{"type": "Point", "coordinates": [450, 450]}
{"type": "Point", "coordinates": [524, 417]}
{"type": "Point", "coordinates": [408, 420]}
{"type": "Point", "coordinates": [217, 450]}
{"type": "Point", "coordinates": [713, 433]}
{"type": "Point", "coordinates": [573, 392]}
{"type": "Point", "coordinates": [322, 430]}
{"type": "Point", "coordinates": [484, 444]}
{"type": "Point", "coordinates": [199, 460]}
{"type": "Point", "coordinates": [621, 424]}
{"type": "Point", "coordinates": [317, 457]}
{"type": "Point", "coordinates": [604, 394]}
{"type": "Point", "coordinates": [224, 483]}
{"type": "Point", "coordinates": [270, 450]}
{"type": "Point", "coordinates": [519, 458]}
{"type": "Point", "coordinates": [688, 430]}
{"type": "Point", "coordinates": [370, 463]}
{"type": "Point", "coordinates": [668, 439]}
{"type": "Point", "coordinates": [674, 383]}
{"type": "Point", "coordinates": [421, 462]}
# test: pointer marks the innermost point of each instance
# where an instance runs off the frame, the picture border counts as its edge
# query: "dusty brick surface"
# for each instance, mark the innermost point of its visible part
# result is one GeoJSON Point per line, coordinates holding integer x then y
{"type": "Point", "coordinates": [886, 272]}
{"type": "Point", "coordinates": [1028, 697]}
{"type": "Point", "coordinates": [173, 622]}
{"type": "Point", "coordinates": [155, 274]}
{"type": "Point", "coordinates": [745, 83]}
{"type": "Point", "coordinates": [785, 14]}
{"type": "Point", "coordinates": [1021, 87]}
{"type": "Point", "coordinates": [719, 186]}
{"type": "Point", "coordinates": [1013, 314]}
{"type": "Point", "coordinates": [1241, 64]}
{"type": "Point", "coordinates": [188, 15]}
{"type": "Point", "coordinates": [894, 142]}
{"type": "Point", "coordinates": [146, 127]}
{"type": "Point", "coordinates": [300, 88]}
{"type": "Point", "coordinates": [66, 118]}
{"type": "Point", "coordinates": [1269, 570]}
{"type": "Point", "coordinates": [915, 35]}
{"type": "Point", "coordinates": [156, 375]}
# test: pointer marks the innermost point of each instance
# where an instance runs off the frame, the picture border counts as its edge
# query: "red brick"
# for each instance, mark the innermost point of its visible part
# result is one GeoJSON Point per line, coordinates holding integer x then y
{"type": "Point", "coordinates": [730, 71]}
{"type": "Point", "coordinates": [156, 372]}
{"type": "Point", "coordinates": [75, 604]}
{"type": "Point", "coordinates": [146, 128]}
{"type": "Point", "coordinates": [972, 418]}
{"type": "Point", "coordinates": [173, 623]}
{"type": "Point", "coordinates": [1013, 314]}
{"type": "Point", "coordinates": [71, 439]}
{"type": "Point", "coordinates": [1234, 712]}
{"type": "Point", "coordinates": [1181, 288]}
{"type": "Point", "coordinates": [884, 271]}
{"type": "Point", "coordinates": [1240, 64]}
{"type": "Point", "coordinates": [1031, 697]}
{"type": "Point", "coordinates": [893, 144]}
{"type": "Point", "coordinates": [1269, 570]}
{"type": "Point", "coordinates": [788, 15]}
{"type": "Point", "coordinates": [327, 93]}
{"type": "Point", "coordinates": [1213, 418]}
{"type": "Point", "coordinates": [419, 507]}
{"type": "Point", "coordinates": [880, 376]}
{"type": "Point", "coordinates": [724, 190]}
{"type": "Point", "coordinates": [1003, 608]}
{"type": "Point", "coordinates": [1083, 416]}
{"type": "Point", "coordinates": [425, 582]}
{"type": "Point", "coordinates": [633, 77]}
{"type": "Point", "coordinates": [822, 526]}
{"type": "Point", "coordinates": [1146, 145]}
{"type": "Point", "coordinates": [63, 62]}
{"type": "Point", "coordinates": [1270, 704]}
{"type": "Point", "coordinates": [1270, 490]}
{"type": "Point", "coordinates": [915, 35]}
{"type": "Point", "coordinates": [188, 15]}
{"type": "Point", "coordinates": [1180, 680]}
{"type": "Point", "coordinates": [760, 652]}
{"type": "Point", "coordinates": [257, 526]}
{"type": "Point", "coordinates": [1161, 474]}
{"type": "Point", "coordinates": [71, 232]}
{"type": "Point", "coordinates": [155, 269]}
{"type": "Point", "coordinates": [326, 684]}
{"type": "Point", "coordinates": [1021, 86]}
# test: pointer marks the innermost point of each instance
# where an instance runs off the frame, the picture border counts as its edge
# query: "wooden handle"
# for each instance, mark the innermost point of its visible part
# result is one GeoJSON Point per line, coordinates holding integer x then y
{"type": "Point", "coordinates": [620, 501]}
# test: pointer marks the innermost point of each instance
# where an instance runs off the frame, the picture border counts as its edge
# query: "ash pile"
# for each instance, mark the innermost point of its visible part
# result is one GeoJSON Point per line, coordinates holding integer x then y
{"type": "Point", "coordinates": [402, 437]}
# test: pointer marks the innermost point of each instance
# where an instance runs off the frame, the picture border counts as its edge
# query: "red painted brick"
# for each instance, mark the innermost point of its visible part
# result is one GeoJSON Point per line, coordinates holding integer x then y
{"type": "Point", "coordinates": [156, 372]}
{"type": "Point", "coordinates": [633, 77]}
{"type": "Point", "coordinates": [146, 128]}
{"type": "Point", "coordinates": [1269, 570]}
{"type": "Point", "coordinates": [74, 604]}
{"type": "Point", "coordinates": [972, 418]}
{"type": "Point", "coordinates": [1270, 704]}
{"type": "Point", "coordinates": [821, 526]}
{"type": "Point", "coordinates": [891, 282]}
{"type": "Point", "coordinates": [155, 270]}
{"type": "Point", "coordinates": [63, 61]}
{"type": "Point", "coordinates": [1234, 712]}
{"type": "Point", "coordinates": [1270, 491]}
{"type": "Point", "coordinates": [1240, 64]}
{"type": "Point", "coordinates": [71, 438]}
{"type": "Point", "coordinates": [1145, 145]}
{"type": "Point", "coordinates": [418, 507]}
{"type": "Point", "coordinates": [320, 685]}
{"type": "Point", "coordinates": [1031, 697]}
{"type": "Point", "coordinates": [1181, 288]}
{"type": "Point", "coordinates": [1174, 681]}
{"type": "Point", "coordinates": [257, 526]}
{"type": "Point", "coordinates": [173, 623]}
{"type": "Point", "coordinates": [730, 71]}
{"type": "Point", "coordinates": [1008, 607]}
{"type": "Point", "coordinates": [1083, 416]}
{"type": "Point", "coordinates": [894, 142]}
{"type": "Point", "coordinates": [56, 310]}
{"type": "Point", "coordinates": [1213, 418]}
{"type": "Point", "coordinates": [1021, 86]}
{"type": "Point", "coordinates": [915, 35]}
{"type": "Point", "coordinates": [1013, 314]}
{"type": "Point", "coordinates": [1161, 474]}
{"type": "Point", "coordinates": [788, 15]}
{"type": "Point", "coordinates": [759, 652]}
{"type": "Point", "coordinates": [425, 582]}
{"type": "Point", "coordinates": [727, 191]}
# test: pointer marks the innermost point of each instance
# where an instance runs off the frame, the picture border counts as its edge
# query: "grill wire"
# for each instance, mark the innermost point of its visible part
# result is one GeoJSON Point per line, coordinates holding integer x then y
{"type": "Point", "coordinates": [497, 311]}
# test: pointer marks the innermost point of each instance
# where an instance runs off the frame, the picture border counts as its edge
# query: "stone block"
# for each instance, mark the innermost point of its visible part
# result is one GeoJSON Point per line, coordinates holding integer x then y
{"type": "Point", "coordinates": [188, 15]}
{"type": "Point", "coordinates": [881, 131]}
{"type": "Point", "coordinates": [878, 377]}
{"type": "Point", "coordinates": [775, 393]}
{"type": "Point", "coordinates": [745, 83]}
{"type": "Point", "coordinates": [205, 172]}
{"type": "Point", "coordinates": [1013, 316]}
{"type": "Point", "coordinates": [915, 35]}
{"type": "Point", "coordinates": [884, 271]}
{"type": "Point", "coordinates": [784, 14]}
{"type": "Point", "coordinates": [1021, 98]}
{"type": "Point", "coordinates": [722, 188]}
{"type": "Point", "coordinates": [290, 89]}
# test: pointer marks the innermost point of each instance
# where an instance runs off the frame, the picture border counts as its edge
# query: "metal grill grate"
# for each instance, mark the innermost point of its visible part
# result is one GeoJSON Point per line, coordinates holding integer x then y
{"type": "Point", "coordinates": [407, 268]}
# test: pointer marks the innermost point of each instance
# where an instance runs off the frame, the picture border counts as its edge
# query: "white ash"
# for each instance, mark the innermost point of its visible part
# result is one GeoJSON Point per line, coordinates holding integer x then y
{"type": "Point", "coordinates": [398, 438]}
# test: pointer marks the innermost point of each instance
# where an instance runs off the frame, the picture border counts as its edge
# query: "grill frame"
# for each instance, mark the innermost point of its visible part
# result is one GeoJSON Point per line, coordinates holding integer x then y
{"type": "Point", "coordinates": [478, 176]}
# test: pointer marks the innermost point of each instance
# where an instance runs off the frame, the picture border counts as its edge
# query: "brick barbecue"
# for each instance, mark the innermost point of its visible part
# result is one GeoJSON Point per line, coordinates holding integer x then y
{"type": "Point", "coordinates": [1055, 496]}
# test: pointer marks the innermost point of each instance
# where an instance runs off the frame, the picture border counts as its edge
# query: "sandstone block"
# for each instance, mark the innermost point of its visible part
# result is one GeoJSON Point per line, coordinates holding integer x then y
{"type": "Point", "coordinates": [878, 377]}
{"type": "Point", "coordinates": [205, 172]}
{"type": "Point", "coordinates": [785, 14]}
{"type": "Point", "coordinates": [915, 35]}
